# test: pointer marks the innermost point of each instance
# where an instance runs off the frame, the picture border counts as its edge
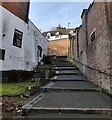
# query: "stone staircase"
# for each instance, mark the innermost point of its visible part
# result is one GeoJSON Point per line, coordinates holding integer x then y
{"type": "Point", "coordinates": [69, 95]}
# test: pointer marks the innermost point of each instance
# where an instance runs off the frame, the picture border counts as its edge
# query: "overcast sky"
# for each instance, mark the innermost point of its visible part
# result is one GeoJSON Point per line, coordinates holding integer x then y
{"type": "Point", "coordinates": [47, 15]}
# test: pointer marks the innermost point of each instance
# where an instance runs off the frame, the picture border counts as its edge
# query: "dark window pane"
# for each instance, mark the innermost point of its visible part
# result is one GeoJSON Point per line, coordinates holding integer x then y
{"type": "Point", "coordinates": [17, 40]}
{"type": "Point", "coordinates": [2, 54]}
{"type": "Point", "coordinates": [40, 51]}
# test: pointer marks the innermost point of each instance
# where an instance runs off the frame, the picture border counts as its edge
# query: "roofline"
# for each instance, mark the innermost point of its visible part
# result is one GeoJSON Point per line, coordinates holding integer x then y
{"type": "Point", "coordinates": [87, 10]}
{"type": "Point", "coordinates": [83, 12]}
{"type": "Point", "coordinates": [37, 29]}
{"type": "Point", "coordinates": [58, 39]}
{"type": "Point", "coordinates": [56, 30]}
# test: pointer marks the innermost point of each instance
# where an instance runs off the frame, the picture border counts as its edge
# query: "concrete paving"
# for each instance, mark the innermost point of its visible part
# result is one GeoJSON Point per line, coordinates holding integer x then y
{"type": "Point", "coordinates": [65, 68]}
{"type": "Point", "coordinates": [67, 72]}
{"type": "Point", "coordinates": [61, 63]}
{"type": "Point", "coordinates": [73, 84]}
{"type": "Point", "coordinates": [65, 103]}
{"type": "Point", "coordinates": [69, 77]}
{"type": "Point", "coordinates": [74, 100]}
{"type": "Point", "coordinates": [33, 114]}
{"type": "Point", "coordinates": [64, 65]}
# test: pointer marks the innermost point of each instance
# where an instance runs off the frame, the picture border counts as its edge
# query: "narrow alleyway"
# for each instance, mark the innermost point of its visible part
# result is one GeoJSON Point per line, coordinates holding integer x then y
{"type": "Point", "coordinates": [69, 95]}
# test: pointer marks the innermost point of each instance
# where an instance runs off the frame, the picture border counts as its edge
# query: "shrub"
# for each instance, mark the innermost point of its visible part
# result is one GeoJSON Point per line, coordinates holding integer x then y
{"type": "Point", "coordinates": [46, 60]}
{"type": "Point", "coordinates": [16, 76]}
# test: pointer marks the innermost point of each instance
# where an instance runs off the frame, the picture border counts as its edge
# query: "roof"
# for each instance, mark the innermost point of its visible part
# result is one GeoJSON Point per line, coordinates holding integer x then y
{"type": "Point", "coordinates": [83, 12]}
{"type": "Point", "coordinates": [61, 31]}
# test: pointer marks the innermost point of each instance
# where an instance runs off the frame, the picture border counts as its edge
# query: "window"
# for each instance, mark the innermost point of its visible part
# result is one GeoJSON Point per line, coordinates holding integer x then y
{"type": "Point", "coordinates": [93, 36]}
{"type": "Point", "coordinates": [2, 54]}
{"type": "Point", "coordinates": [40, 51]}
{"type": "Point", "coordinates": [17, 40]}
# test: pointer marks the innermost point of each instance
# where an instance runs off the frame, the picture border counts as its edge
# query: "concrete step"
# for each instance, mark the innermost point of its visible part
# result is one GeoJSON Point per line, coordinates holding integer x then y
{"type": "Point", "coordinates": [73, 116]}
{"type": "Point", "coordinates": [66, 68]}
{"type": "Point", "coordinates": [63, 65]}
{"type": "Point", "coordinates": [69, 95]}
{"type": "Point", "coordinates": [70, 86]}
{"type": "Point", "coordinates": [59, 89]}
{"type": "Point", "coordinates": [71, 102]}
{"type": "Point", "coordinates": [72, 110]}
{"type": "Point", "coordinates": [73, 84]}
{"type": "Point", "coordinates": [74, 100]}
{"type": "Point", "coordinates": [67, 72]}
{"type": "Point", "coordinates": [69, 78]}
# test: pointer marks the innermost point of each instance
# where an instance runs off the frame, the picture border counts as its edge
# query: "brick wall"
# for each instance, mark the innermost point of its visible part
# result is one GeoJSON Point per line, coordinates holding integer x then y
{"type": "Point", "coordinates": [96, 55]}
{"type": "Point", "coordinates": [98, 51]}
{"type": "Point", "coordinates": [58, 47]}
{"type": "Point", "coordinates": [20, 9]}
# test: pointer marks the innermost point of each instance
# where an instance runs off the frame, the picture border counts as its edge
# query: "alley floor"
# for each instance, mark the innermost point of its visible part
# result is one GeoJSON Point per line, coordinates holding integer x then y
{"type": "Point", "coordinates": [69, 95]}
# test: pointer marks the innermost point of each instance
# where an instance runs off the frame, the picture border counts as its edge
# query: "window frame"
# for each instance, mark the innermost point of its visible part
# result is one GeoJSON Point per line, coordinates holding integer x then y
{"type": "Point", "coordinates": [17, 39]}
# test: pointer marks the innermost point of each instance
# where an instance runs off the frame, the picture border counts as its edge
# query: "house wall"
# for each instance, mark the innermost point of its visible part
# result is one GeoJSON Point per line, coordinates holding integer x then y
{"type": "Point", "coordinates": [57, 38]}
{"type": "Point", "coordinates": [98, 51]}
{"type": "Point", "coordinates": [58, 47]}
{"type": "Point", "coordinates": [14, 56]}
{"type": "Point", "coordinates": [38, 40]}
{"type": "Point", "coordinates": [0, 34]}
{"type": "Point", "coordinates": [19, 58]}
{"type": "Point", "coordinates": [95, 56]}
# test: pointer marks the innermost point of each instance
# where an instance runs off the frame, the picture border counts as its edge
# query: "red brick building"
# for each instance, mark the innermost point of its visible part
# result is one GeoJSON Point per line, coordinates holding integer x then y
{"type": "Point", "coordinates": [58, 41]}
{"type": "Point", "coordinates": [58, 47]}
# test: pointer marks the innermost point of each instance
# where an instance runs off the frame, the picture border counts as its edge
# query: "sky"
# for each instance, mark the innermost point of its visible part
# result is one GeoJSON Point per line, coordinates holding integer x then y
{"type": "Point", "coordinates": [48, 15]}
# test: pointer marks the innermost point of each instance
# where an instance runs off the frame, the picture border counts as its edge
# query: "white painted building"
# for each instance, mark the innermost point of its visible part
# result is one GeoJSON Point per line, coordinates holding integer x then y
{"type": "Point", "coordinates": [58, 33]}
{"type": "Point", "coordinates": [40, 43]}
{"type": "Point", "coordinates": [56, 37]}
{"type": "Point", "coordinates": [20, 43]}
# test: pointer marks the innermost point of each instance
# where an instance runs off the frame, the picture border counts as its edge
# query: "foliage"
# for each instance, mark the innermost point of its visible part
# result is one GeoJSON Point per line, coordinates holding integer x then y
{"type": "Point", "coordinates": [14, 89]}
{"type": "Point", "coordinates": [46, 60]}
{"type": "Point", "coordinates": [16, 76]}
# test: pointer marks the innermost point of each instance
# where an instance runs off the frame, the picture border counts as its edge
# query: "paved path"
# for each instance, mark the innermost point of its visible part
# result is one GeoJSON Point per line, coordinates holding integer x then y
{"type": "Point", "coordinates": [69, 95]}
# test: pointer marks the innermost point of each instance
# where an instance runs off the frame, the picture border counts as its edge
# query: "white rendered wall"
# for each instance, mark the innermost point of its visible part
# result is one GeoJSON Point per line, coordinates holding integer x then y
{"type": "Point", "coordinates": [23, 58]}
{"type": "Point", "coordinates": [0, 35]}
{"type": "Point", "coordinates": [56, 38]}
{"type": "Point", "coordinates": [38, 40]}
{"type": "Point", "coordinates": [14, 56]}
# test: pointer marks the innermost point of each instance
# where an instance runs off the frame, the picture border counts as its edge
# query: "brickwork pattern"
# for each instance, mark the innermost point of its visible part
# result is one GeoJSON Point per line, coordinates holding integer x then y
{"type": "Point", "coordinates": [58, 47]}
{"type": "Point", "coordinates": [96, 54]}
